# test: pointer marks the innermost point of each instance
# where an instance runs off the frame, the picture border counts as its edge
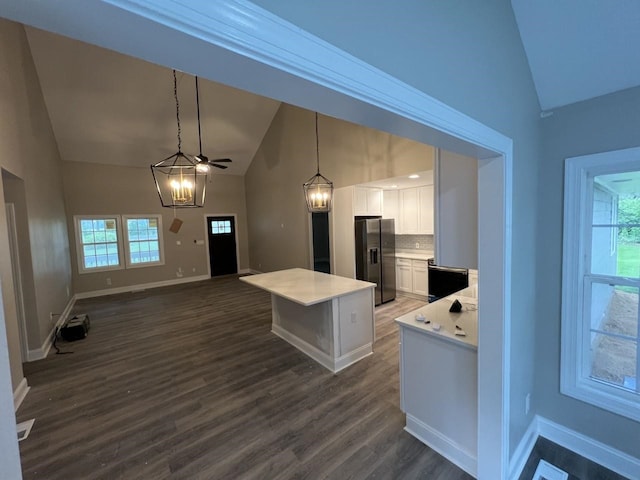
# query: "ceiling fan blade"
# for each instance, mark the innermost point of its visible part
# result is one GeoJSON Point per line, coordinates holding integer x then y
{"type": "Point", "coordinates": [221, 160]}
{"type": "Point", "coordinates": [218, 166]}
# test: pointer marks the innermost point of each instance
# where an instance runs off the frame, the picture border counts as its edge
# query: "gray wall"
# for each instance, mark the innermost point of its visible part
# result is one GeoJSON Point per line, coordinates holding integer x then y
{"type": "Point", "coordinates": [469, 55]}
{"type": "Point", "coordinates": [28, 151]}
{"type": "Point", "coordinates": [611, 122]}
{"type": "Point", "coordinates": [349, 154]}
{"type": "Point", "coordinates": [94, 189]}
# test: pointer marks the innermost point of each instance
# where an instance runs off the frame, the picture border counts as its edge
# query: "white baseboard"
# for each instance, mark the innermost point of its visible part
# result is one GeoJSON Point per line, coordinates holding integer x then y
{"type": "Point", "coordinates": [587, 447]}
{"type": "Point", "coordinates": [244, 271]}
{"type": "Point", "coordinates": [442, 444]}
{"type": "Point", "coordinates": [20, 393]}
{"type": "Point", "coordinates": [43, 351]}
{"type": "Point", "coordinates": [254, 272]}
{"type": "Point", "coordinates": [352, 357]}
{"type": "Point", "coordinates": [306, 348]}
{"type": "Point", "coordinates": [140, 287]}
{"type": "Point", "coordinates": [523, 450]}
{"type": "Point", "coordinates": [598, 452]}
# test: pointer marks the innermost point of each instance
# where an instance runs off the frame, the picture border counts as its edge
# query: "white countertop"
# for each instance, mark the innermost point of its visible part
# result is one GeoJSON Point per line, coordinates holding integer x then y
{"type": "Point", "coordinates": [306, 287]}
{"type": "Point", "coordinates": [438, 312]}
{"type": "Point", "coordinates": [414, 256]}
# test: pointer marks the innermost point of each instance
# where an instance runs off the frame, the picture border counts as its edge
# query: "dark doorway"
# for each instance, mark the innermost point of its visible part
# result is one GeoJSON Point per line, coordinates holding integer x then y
{"type": "Point", "coordinates": [320, 227]}
{"type": "Point", "coordinates": [222, 245]}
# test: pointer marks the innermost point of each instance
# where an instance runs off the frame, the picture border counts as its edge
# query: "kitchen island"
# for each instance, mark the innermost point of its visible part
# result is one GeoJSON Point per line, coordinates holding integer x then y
{"type": "Point", "coordinates": [439, 376]}
{"type": "Point", "coordinates": [327, 317]}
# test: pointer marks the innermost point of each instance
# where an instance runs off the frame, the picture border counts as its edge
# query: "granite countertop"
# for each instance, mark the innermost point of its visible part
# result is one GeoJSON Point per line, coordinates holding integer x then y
{"type": "Point", "coordinates": [438, 312]}
{"type": "Point", "coordinates": [415, 256]}
{"type": "Point", "coordinates": [306, 287]}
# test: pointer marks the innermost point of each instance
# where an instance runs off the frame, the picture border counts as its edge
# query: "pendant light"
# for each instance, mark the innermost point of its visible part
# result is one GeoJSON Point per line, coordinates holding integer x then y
{"type": "Point", "coordinates": [180, 181]}
{"type": "Point", "coordinates": [318, 190]}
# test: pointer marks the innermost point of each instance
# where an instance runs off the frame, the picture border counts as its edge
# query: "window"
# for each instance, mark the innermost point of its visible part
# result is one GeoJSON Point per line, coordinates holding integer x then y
{"type": "Point", "coordinates": [98, 243]}
{"type": "Point", "coordinates": [601, 281]}
{"type": "Point", "coordinates": [143, 240]}
{"type": "Point", "coordinates": [220, 226]}
{"type": "Point", "coordinates": [113, 242]}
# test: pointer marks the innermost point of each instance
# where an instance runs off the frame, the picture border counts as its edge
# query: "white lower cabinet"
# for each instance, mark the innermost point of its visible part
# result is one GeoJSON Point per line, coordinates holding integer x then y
{"type": "Point", "coordinates": [420, 277]}
{"type": "Point", "coordinates": [411, 276]}
{"type": "Point", "coordinates": [404, 276]}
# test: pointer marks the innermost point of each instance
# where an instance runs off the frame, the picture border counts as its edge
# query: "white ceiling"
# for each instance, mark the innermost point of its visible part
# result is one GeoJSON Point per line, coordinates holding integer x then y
{"type": "Point", "coordinates": [423, 178]}
{"type": "Point", "coordinates": [110, 108]}
{"type": "Point", "coordinates": [580, 49]}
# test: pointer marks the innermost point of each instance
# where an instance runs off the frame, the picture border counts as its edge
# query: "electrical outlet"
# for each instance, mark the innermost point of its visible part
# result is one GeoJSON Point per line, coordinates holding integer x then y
{"type": "Point", "coordinates": [527, 403]}
{"type": "Point", "coordinates": [417, 244]}
{"type": "Point", "coordinates": [108, 280]}
{"type": "Point", "coordinates": [51, 314]}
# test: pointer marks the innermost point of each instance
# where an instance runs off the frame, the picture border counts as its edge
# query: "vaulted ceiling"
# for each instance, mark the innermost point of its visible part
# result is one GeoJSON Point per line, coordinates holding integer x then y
{"type": "Point", "coordinates": [110, 108]}
{"type": "Point", "coordinates": [106, 107]}
{"type": "Point", "coordinates": [580, 49]}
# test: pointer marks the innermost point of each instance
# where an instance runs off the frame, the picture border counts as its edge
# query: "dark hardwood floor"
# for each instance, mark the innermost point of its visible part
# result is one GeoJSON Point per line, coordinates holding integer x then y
{"type": "Point", "coordinates": [188, 382]}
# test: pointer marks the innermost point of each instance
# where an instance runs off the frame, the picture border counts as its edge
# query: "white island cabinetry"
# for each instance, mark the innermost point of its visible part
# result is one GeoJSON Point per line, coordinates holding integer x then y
{"type": "Point", "coordinates": [329, 318]}
{"type": "Point", "coordinates": [439, 378]}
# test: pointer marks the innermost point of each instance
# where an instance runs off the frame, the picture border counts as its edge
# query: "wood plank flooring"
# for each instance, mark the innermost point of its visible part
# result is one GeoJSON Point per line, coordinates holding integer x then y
{"type": "Point", "coordinates": [188, 382]}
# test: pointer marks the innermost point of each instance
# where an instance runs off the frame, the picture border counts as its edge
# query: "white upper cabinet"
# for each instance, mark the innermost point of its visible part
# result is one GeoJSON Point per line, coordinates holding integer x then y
{"type": "Point", "coordinates": [425, 214]}
{"type": "Point", "coordinates": [409, 210]}
{"type": "Point", "coordinates": [367, 201]}
{"type": "Point", "coordinates": [390, 206]}
{"type": "Point", "coordinates": [456, 212]}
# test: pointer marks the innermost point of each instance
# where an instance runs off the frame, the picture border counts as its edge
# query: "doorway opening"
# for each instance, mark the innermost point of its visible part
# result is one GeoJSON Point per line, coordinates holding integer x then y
{"type": "Point", "coordinates": [320, 233]}
{"type": "Point", "coordinates": [221, 232]}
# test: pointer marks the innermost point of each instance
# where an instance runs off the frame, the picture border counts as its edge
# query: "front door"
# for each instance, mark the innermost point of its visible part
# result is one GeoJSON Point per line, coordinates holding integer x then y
{"type": "Point", "coordinates": [222, 245]}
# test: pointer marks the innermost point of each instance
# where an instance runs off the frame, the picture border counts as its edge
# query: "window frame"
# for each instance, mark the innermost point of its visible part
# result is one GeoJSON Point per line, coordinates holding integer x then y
{"type": "Point", "coordinates": [126, 241]}
{"type": "Point", "coordinates": [79, 245]}
{"type": "Point", "coordinates": [577, 226]}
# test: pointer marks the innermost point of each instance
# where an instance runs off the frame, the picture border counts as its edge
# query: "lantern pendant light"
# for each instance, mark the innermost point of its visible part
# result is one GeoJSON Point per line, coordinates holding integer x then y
{"type": "Point", "coordinates": [180, 181]}
{"type": "Point", "coordinates": [318, 190]}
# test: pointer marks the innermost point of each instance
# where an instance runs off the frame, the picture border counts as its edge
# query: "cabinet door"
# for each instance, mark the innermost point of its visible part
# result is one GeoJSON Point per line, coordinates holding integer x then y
{"type": "Point", "coordinates": [404, 282]}
{"type": "Point", "coordinates": [409, 210]}
{"type": "Point", "coordinates": [360, 201]}
{"type": "Point", "coordinates": [425, 207]}
{"type": "Point", "coordinates": [420, 277]}
{"type": "Point", "coordinates": [390, 207]}
{"type": "Point", "coordinates": [374, 201]}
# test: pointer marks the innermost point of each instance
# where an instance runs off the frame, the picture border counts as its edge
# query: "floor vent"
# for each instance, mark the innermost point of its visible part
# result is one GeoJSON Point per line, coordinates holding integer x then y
{"type": "Point", "coordinates": [24, 429]}
{"type": "Point", "coordinates": [546, 471]}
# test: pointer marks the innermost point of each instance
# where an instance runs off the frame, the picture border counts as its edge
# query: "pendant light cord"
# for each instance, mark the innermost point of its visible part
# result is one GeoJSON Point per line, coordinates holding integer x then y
{"type": "Point", "coordinates": [198, 110]}
{"type": "Point", "coordinates": [317, 146]}
{"type": "Point", "coordinates": [175, 95]}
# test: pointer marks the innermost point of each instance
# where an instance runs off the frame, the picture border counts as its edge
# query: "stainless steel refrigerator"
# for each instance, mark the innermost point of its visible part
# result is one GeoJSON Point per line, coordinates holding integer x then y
{"type": "Point", "coordinates": [375, 256]}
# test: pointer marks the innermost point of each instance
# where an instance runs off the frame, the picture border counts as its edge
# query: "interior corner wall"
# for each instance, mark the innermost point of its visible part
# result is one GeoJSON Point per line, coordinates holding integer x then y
{"type": "Point", "coordinates": [95, 189]}
{"type": "Point", "coordinates": [29, 151]}
{"type": "Point", "coordinates": [349, 154]}
{"type": "Point", "coordinates": [469, 55]}
{"type": "Point", "coordinates": [606, 123]}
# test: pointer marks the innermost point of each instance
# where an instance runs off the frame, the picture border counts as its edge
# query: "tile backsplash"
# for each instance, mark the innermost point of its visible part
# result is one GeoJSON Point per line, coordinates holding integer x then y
{"type": "Point", "coordinates": [408, 242]}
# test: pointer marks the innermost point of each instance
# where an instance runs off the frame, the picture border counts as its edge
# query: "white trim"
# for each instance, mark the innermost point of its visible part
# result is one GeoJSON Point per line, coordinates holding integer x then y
{"type": "Point", "coordinates": [598, 452]}
{"type": "Point", "coordinates": [319, 356]}
{"type": "Point", "coordinates": [206, 237]}
{"type": "Point", "coordinates": [140, 287]}
{"type": "Point", "coordinates": [442, 444]}
{"type": "Point", "coordinates": [43, 351]}
{"type": "Point", "coordinates": [523, 451]}
{"type": "Point", "coordinates": [336, 83]}
{"type": "Point", "coordinates": [253, 271]}
{"type": "Point", "coordinates": [20, 393]}
{"type": "Point", "coordinates": [244, 271]}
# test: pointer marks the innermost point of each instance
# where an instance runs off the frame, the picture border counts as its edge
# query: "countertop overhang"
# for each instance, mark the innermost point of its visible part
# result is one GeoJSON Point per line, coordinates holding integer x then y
{"type": "Point", "coordinates": [438, 312]}
{"type": "Point", "coordinates": [306, 287]}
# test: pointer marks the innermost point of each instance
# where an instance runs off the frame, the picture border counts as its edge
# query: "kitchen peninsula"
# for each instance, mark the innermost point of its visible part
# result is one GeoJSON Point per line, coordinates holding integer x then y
{"type": "Point", "coordinates": [439, 376]}
{"type": "Point", "coordinates": [327, 317]}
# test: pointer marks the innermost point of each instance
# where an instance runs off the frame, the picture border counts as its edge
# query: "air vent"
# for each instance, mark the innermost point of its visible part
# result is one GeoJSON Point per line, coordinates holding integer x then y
{"type": "Point", "coordinates": [24, 429]}
{"type": "Point", "coordinates": [546, 471]}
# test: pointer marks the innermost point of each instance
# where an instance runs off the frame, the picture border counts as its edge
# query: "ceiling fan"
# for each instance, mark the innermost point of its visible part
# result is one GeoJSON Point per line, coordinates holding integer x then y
{"type": "Point", "coordinates": [202, 159]}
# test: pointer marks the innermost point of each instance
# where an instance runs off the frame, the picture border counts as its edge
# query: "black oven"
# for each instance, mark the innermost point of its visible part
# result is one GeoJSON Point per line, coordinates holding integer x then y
{"type": "Point", "coordinates": [444, 281]}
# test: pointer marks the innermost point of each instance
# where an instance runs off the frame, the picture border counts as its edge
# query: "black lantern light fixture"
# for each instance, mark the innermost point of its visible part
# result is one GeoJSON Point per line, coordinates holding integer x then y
{"type": "Point", "coordinates": [180, 180]}
{"type": "Point", "coordinates": [318, 190]}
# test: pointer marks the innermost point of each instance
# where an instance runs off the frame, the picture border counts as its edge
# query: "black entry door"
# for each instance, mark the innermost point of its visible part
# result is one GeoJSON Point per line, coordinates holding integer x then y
{"type": "Point", "coordinates": [222, 245]}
